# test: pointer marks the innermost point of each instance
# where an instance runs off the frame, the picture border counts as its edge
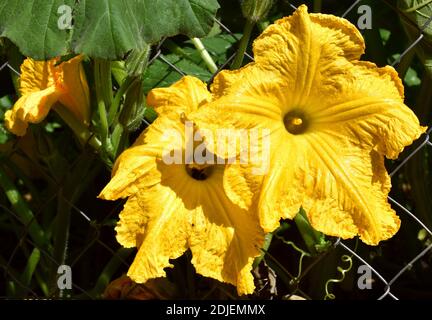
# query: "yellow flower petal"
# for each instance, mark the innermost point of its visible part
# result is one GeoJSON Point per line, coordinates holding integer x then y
{"type": "Point", "coordinates": [31, 108]}
{"type": "Point", "coordinates": [227, 81]}
{"type": "Point", "coordinates": [342, 187]}
{"type": "Point", "coordinates": [135, 166]}
{"type": "Point", "coordinates": [350, 180]}
{"type": "Point", "coordinates": [241, 186]}
{"type": "Point", "coordinates": [132, 224]}
{"type": "Point", "coordinates": [185, 96]}
{"type": "Point", "coordinates": [36, 76]}
{"type": "Point", "coordinates": [42, 84]}
{"type": "Point", "coordinates": [72, 83]}
{"type": "Point", "coordinates": [163, 237]}
{"type": "Point", "coordinates": [368, 109]}
{"type": "Point", "coordinates": [225, 239]}
{"type": "Point", "coordinates": [302, 47]}
{"type": "Point", "coordinates": [182, 213]}
{"type": "Point", "coordinates": [128, 171]}
{"type": "Point", "coordinates": [255, 98]}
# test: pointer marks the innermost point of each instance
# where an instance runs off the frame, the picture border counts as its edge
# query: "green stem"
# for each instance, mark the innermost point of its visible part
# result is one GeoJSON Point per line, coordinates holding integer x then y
{"type": "Point", "coordinates": [267, 241]}
{"type": "Point", "coordinates": [42, 284]}
{"type": "Point", "coordinates": [30, 269]}
{"type": "Point", "coordinates": [106, 81]}
{"type": "Point", "coordinates": [21, 208]}
{"type": "Point", "coordinates": [80, 130]}
{"type": "Point", "coordinates": [118, 139]}
{"type": "Point", "coordinates": [244, 42]}
{"type": "Point", "coordinates": [101, 101]}
{"type": "Point", "coordinates": [294, 246]}
{"type": "Point", "coordinates": [211, 65]}
{"type": "Point", "coordinates": [117, 99]}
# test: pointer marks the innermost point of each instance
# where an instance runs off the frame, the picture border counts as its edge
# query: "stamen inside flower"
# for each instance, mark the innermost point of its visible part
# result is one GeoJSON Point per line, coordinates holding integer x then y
{"type": "Point", "coordinates": [199, 172]}
{"type": "Point", "coordinates": [295, 122]}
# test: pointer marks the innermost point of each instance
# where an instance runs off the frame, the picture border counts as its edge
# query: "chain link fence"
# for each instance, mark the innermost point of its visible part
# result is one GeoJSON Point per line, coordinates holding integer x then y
{"type": "Point", "coordinates": [101, 235]}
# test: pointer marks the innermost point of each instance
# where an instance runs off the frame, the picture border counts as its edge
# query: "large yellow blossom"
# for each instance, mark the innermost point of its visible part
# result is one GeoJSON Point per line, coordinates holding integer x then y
{"type": "Point", "coordinates": [175, 207]}
{"type": "Point", "coordinates": [42, 84]}
{"type": "Point", "coordinates": [332, 120]}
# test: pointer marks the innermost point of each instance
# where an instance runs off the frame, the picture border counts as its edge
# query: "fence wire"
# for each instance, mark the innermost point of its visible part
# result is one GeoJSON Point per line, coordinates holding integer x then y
{"type": "Point", "coordinates": [387, 282]}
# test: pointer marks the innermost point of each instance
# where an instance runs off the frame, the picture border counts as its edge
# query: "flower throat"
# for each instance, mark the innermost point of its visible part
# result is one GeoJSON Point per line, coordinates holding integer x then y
{"type": "Point", "coordinates": [199, 172]}
{"type": "Point", "coordinates": [295, 122]}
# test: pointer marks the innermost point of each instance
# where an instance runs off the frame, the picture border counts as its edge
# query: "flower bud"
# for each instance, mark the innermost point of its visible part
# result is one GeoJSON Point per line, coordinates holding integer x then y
{"type": "Point", "coordinates": [134, 108]}
{"type": "Point", "coordinates": [137, 61]}
{"type": "Point", "coordinates": [256, 10]}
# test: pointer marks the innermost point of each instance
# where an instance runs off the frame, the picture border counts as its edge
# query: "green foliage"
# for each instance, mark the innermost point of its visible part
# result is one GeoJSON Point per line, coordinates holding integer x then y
{"type": "Point", "coordinates": [5, 104]}
{"type": "Point", "coordinates": [416, 19]}
{"type": "Point", "coordinates": [188, 60]}
{"type": "Point", "coordinates": [102, 29]}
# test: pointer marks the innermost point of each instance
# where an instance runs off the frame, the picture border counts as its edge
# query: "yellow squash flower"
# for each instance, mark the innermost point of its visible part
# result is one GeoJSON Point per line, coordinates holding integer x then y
{"type": "Point", "coordinates": [42, 84]}
{"type": "Point", "coordinates": [175, 207]}
{"type": "Point", "coordinates": [332, 120]}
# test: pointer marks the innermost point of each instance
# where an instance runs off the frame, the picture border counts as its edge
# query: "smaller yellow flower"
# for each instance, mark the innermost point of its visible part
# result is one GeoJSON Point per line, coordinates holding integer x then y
{"type": "Point", "coordinates": [42, 84]}
{"type": "Point", "coordinates": [172, 208]}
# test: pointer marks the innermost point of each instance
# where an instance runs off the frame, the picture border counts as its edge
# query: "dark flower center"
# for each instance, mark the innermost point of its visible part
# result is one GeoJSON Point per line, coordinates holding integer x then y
{"type": "Point", "coordinates": [199, 172]}
{"type": "Point", "coordinates": [295, 122]}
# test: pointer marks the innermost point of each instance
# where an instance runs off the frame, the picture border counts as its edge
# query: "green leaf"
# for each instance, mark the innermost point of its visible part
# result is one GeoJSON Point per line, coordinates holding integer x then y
{"type": "Point", "coordinates": [105, 29]}
{"type": "Point", "coordinates": [188, 60]}
{"type": "Point", "coordinates": [160, 74]}
{"type": "Point", "coordinates": [411, 78]}
{"type": "Point", "coordinates": [33, 26]}
{"type": "Point", "coordinates": [219, 46]}
{"type": "Point", "coordinates": [314, 240]}
{"type": "Point", "coordinates": [30, 268]}
{"type": "Point", "coordinates": [418, 12]}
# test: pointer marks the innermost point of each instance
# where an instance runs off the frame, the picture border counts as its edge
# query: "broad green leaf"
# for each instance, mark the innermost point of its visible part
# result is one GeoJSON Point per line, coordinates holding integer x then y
{"type": "Point", "coordinates": [102, 28]}
{"type": "Point", "coordinates": [419, 12]}
{"type": "Point", "coordinates": [33, 26]}
{"type": "Point", "coordinates": [219, 45]}
{"type": "Point", "coordinates": [160, 74]}
{"type": "Point", "coordinates": [188, 60]}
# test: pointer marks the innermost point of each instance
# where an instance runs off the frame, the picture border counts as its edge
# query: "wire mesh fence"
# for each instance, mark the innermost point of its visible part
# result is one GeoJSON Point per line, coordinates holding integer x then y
{"type": "Point", "coordinates": [119, 257]}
